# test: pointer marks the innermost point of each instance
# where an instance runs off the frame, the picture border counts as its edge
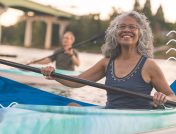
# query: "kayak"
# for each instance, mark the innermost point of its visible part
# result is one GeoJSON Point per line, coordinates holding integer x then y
{"type": "Point", "coordinates": [13, 91]}
{"type": "Point", "coordinates": [29, 73]}
{"type": "Point", "coordinates": [30, 78]}
{"type": "Point", "coordinates": [42, 119]}
{"type": "Point", "coordinates": [41, 112]}
{"type": "Point", "coordinates": [44, 113]}
{"type": "Point", "coordinates": [169, 130]}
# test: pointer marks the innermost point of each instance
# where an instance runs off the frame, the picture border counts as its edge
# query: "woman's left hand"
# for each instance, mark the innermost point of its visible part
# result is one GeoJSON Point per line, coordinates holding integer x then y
{"type": "Point", "coordinates": [47, 71]}
{"type": "Point", "coordinates": [159, 99]}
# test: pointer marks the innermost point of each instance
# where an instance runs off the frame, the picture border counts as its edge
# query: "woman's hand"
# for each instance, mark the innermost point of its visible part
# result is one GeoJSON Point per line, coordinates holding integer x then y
{"type": "Point", "coordinates": [159, 99]}
{"type": "Point", "coordinates": [47, 71]}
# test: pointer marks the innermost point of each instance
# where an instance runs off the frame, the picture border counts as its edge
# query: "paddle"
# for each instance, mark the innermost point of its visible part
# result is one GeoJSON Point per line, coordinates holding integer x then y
{"type": "Point", "coordinates": [95, 37]}
{"type": "Point", "coordinates": [8, 55]}
{"type": "Point", "coordinates": [82, 81]}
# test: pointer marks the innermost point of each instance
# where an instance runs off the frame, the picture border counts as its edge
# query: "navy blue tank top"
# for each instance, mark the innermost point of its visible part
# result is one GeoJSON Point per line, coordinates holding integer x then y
{"type": "Point", "coordinates": [133, 82]}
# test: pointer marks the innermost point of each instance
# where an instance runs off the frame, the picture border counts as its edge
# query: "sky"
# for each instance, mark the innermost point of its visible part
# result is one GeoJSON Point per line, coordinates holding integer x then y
{"type": "Point", "coordinates": [104, 7]}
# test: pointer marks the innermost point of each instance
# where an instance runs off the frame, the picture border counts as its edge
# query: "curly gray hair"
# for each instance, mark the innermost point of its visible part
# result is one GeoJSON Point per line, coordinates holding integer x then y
{"type": "Point", "coordinates": [111, 47]}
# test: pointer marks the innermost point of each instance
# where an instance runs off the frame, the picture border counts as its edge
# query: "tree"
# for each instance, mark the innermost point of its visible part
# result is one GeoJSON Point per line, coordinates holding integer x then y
{"type": "Point", "coordinates": [14, 35]}
{"type": "Point", "coordinates": [86, 27]}
{"type": "Point", "coordinates": [38, 34]}
{"type": "Point", "coordinates": [137, 6]}
{"type": "Point", "coordinates": [159, 24]}
{"type": "Point", "coordinates": [147, 9]}
{"type": "Point", "coordinates": [114, 13]}
{"type": "Point", "coordinates": [160, 15]}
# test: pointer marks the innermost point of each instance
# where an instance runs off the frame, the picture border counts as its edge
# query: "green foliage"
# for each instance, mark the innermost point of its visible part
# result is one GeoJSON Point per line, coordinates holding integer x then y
{"type": "Point", "coordinates": [160, 15]}
{"type": "Point", "coordinates": [114, 13]}
{"type": "Point", "coordinates": [86, 27]}
{"type": "Point", "coordinates": [38, 34]}
{"type": "Point", "coordinates": [147, 9]}
{"type": "Point", "coordinates": [55, 35]}
{"type": "Point", "coordinates": [137, 6]}
{"type": "Point", "coordinates": [159, 39]}
{"type": "Point", "coordinates": [13, 35]}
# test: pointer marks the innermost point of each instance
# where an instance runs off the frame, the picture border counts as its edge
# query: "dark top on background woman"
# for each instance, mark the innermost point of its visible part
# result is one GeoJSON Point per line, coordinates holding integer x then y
{"type": "Point", "coordinates": [64, 61]}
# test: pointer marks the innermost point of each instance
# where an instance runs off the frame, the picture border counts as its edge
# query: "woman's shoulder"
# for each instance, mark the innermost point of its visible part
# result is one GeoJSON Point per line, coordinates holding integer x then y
{"type": "Point", "coordinates": [151, 65]}
{"type": "Point", "coordinates": [103, 61]}
{"type": "Point", "coordinates": [150, 62]}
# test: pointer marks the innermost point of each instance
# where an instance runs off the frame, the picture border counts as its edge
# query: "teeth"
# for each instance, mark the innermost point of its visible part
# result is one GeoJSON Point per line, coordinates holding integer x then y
{"type": "Point", "coordinates": [126, 36]}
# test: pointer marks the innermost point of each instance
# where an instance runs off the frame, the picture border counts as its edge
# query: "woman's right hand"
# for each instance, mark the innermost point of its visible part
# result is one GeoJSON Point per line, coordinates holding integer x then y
{"type": "Point", "coordinates": [47, 71]}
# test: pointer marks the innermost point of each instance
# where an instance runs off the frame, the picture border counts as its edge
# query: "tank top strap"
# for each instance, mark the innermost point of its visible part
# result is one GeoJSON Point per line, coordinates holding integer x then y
{"type": "Point", "coordinates": [109, 65]}
{"type": "Point", "coordinates": [141, 62]}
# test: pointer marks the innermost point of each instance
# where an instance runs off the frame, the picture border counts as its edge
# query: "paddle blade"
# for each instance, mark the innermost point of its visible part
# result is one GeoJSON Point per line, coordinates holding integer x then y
{"type": "Point", "coordinates": [173, 86]}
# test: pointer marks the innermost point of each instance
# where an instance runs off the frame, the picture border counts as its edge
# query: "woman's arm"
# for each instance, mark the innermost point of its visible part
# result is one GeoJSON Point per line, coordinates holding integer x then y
{"type": "Point", "coordinates": [157, 79]}
{"type": "Point", "coordinates": [75, 60]}
{"type": "Point", "coordinates": [95, 73]}
{"type": "Point", "coordinates": [42, 61]}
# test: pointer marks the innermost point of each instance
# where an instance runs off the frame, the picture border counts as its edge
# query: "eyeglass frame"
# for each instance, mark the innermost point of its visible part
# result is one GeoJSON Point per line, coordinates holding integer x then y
{"type": "Point", "coordinates": [131, 27]}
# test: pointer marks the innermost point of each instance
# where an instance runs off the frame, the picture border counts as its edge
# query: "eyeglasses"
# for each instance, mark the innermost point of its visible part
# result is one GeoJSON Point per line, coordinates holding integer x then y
{"type": "Point", "coordinates": [131, 27]}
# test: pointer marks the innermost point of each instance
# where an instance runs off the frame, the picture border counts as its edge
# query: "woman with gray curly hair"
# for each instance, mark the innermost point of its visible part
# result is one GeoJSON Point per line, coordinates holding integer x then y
{"type": "Point", "coordinates": [127, 65]}
{"type": "Point", "coordinates": [111, 47]}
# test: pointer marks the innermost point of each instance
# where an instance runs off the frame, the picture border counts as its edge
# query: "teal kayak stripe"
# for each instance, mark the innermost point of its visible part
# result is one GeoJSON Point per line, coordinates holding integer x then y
{"type": "Point", "coordinates": [28, 73]}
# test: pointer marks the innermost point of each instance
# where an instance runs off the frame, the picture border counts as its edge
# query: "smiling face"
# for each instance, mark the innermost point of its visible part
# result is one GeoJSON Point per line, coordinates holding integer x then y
{"type": "Point", "coordinates": [128, 31]}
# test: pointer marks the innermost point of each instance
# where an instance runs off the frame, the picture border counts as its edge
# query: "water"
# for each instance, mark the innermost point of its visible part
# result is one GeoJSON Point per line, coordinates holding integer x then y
{"type": "Point", "coordinates": [87, 93]}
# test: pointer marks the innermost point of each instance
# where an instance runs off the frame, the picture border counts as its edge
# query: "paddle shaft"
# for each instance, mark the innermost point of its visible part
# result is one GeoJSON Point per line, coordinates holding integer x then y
{"type": "Point", "coordinates": [8, 55]}
{"type": "Point", "coordinates": [75, 46]}
{"type": "Point", "coordinates": [82, 81]}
